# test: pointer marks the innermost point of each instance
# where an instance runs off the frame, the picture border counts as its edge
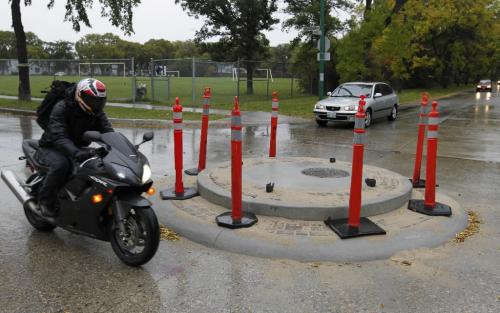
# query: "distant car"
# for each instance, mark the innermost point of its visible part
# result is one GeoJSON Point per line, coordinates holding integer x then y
{"type": "Point", "coordinates": [341, 104]}
{"type": "Point", "coordinates": [484, 85]}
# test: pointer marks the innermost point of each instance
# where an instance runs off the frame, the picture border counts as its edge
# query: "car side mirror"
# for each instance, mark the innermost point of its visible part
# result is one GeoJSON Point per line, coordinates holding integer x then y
{"type": "Point", "coordinates": [91, 136]}
{"type": "Point", "coordinates": [329, 94]}
{"type": "Point", "coordinates": [378, 94]}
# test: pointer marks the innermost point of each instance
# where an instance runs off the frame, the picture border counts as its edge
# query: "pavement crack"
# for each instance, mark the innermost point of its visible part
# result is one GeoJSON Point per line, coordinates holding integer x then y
{"type": "Point", "coordinates": [217, 237]}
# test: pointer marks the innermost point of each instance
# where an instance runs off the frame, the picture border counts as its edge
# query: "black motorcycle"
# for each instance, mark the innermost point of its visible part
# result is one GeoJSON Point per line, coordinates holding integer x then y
{"type": "Point", "coordinates": [102, 198]}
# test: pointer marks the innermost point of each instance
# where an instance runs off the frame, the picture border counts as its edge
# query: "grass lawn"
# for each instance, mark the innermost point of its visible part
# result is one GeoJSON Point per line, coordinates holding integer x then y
{"type": "Point", "coordinates": [120, 89]}
{"type": "Point", "coordinates": [223, 91]}
{"type": "Point", "coordinates": [114, 111]}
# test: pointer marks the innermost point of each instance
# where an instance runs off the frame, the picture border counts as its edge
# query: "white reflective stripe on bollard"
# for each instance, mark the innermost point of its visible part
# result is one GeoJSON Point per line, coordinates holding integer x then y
{"type": "Point", "coordinates": [236, 121]}
{"type": "Point", "coordinates": [359, 123]}
{"type": "Point", "coordinates": [359, 138]}
{"type": "Point", "coordinates": [432, 134]}
{"type": "Point", "coordinates": [236, 135]}
{"type": "Point", "coordinates": [433, 121]}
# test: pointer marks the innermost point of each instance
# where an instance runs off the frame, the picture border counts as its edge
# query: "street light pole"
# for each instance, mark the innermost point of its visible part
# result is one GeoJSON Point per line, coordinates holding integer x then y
{"type": "Point", "coordinates": [321, 83]}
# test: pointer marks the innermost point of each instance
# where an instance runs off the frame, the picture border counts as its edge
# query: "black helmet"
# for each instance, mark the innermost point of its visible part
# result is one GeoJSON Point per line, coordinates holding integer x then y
{"type": "Point", "coordinates": [91, 95]}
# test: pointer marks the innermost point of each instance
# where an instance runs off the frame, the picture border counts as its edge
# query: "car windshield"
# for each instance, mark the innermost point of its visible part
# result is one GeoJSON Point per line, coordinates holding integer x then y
{"type": "Point", "coordinates": [352, 90]}
{"type": "Point", "coordinates": [484, 81]}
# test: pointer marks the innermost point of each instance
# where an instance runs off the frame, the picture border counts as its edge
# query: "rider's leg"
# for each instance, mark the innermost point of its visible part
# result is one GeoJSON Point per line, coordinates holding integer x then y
{"type": "Point", "coordinates": [59, 167]}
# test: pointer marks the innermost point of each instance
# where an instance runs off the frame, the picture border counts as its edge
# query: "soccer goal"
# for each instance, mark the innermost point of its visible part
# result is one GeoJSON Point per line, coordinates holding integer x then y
{"type": "Point", "coordinates": [102, 69]}
{"type": "Point", "coordinates": [173, 73]}
{"type": "Point", "coordinates": [260, 74]}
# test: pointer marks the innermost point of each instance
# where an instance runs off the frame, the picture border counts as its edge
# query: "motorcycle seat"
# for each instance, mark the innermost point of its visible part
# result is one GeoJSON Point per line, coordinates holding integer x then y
{"type": "Point", "coordinates": [30, 147]}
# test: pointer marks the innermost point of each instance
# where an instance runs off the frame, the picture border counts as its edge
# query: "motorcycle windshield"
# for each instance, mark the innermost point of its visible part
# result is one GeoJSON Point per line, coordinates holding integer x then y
{"type": "Point", "coordinates": [119, 142]}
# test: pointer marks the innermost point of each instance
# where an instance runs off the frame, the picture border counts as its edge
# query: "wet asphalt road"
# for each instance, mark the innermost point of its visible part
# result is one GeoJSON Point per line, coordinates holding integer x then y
{"type": "Point", "coordinates": [62, 272]}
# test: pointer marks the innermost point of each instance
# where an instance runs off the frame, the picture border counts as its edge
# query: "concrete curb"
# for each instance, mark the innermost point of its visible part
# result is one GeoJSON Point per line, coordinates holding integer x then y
{"type": "Point", "coordinates": [383, 203]}
{"type": "Point", "coordinates": [431, 232]}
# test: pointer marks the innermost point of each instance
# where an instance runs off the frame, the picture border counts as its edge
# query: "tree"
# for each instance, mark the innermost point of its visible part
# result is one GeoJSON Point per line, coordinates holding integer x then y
{"type": "Point", "coordinates": [238, 24]}
{"type": "Point", "coordinates": [119, 13]}
{"type": "Point", "coordinates": [59, 49]}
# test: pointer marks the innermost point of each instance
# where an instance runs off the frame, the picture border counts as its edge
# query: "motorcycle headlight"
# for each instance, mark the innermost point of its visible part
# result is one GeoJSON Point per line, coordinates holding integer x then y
{"type": "Point", "coordinates": [146, 173]}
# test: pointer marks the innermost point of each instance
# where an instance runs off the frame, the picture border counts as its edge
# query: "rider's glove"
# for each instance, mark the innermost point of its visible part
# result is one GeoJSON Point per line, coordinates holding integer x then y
{"type": "Point", "coordinates": [83, 155]}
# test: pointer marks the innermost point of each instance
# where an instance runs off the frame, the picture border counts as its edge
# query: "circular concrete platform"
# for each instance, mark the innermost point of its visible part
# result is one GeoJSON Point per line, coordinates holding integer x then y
{"type": "Point", "coordinates": [304, 188]}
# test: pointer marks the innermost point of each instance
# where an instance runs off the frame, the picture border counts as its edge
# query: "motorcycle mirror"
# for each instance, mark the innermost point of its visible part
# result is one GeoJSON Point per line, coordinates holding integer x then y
{"type": "Point", "coordinates": [91, 136]}
{"type": "Point", "coordinates": [148, 136]}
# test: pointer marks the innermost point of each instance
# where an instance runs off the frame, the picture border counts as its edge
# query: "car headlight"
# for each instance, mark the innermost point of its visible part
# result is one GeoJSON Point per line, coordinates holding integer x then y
{"type": "Point", "coordinates": [489, 86]}
{"type": "Point", "coordinates": [319, 107]}
{"type": "Point", "coordinates": [478, 86]}
{"type": "Point", "coordinates": [146, 173]}
{"type": "Point", "coordinates": [351, 108]}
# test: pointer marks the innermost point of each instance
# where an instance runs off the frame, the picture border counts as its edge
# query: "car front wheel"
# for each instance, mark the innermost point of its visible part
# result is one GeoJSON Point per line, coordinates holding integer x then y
{"type": "Point", "coordinates": [368, 118]}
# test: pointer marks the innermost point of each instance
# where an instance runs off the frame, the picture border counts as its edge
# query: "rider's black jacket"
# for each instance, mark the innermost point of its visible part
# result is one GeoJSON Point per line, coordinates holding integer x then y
{"type": "Point", "coordinates": [67, 124]}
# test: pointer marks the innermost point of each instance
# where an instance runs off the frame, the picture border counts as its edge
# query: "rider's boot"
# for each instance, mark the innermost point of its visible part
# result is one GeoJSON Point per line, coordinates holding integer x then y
{"type": "Point", "coordinates": [47, 209]}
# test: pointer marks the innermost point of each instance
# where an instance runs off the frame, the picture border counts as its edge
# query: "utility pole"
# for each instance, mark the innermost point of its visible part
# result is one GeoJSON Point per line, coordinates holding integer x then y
{"type": "Point", "coordinates": [321, 83]}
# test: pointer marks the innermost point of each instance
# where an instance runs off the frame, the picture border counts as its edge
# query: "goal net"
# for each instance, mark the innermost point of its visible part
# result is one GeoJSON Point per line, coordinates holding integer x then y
{"type": "Point", "coordinates": [259, 74]}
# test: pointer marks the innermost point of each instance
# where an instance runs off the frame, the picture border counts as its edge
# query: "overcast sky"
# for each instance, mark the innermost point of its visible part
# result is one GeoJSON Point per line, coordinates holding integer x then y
{"type": "Point", "coordinates": [152, 19]}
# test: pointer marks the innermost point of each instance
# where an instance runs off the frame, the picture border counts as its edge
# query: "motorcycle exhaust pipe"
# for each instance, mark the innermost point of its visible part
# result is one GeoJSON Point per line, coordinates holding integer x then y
{"type": "Point", "coordinates": [14, 184]}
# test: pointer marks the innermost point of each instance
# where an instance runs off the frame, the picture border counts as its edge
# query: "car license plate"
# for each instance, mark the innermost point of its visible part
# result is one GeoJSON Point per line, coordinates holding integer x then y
{"type": "Point", "coordinates": [331, 114]}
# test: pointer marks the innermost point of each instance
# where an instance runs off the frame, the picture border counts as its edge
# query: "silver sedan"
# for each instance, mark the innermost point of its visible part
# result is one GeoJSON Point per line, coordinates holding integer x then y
{"type": "Point", "coordinates": [342, 104]}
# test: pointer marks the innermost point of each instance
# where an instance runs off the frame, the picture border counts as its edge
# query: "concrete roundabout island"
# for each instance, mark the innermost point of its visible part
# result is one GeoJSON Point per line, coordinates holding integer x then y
{"type": "Point", "coordinates": [291, 217]}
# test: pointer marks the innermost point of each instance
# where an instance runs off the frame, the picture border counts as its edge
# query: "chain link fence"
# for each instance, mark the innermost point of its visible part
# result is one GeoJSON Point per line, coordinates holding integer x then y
{"type": "Point", "coordinates": [162, 80]}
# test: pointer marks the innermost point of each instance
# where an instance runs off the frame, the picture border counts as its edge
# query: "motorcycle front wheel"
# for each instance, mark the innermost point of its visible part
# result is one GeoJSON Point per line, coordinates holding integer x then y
{"type": "Point", "coordinates": [138, 244]}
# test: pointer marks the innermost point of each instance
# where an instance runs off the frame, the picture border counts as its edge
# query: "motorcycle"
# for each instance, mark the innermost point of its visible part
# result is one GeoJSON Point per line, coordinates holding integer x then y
{"type": "Point", "coordinates": [101, 199]}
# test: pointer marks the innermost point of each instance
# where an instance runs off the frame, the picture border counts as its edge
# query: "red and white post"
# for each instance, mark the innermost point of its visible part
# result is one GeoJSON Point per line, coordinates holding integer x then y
{"type": "Point", "coordinates": [202, 158]}
{"type": "Point", "coordinates": [178, 192]}
{"type": "Point", "coordinates": [416, 181]}
{"type": "Point", "coordinates": [274, 124]}
{"type": "Point", "coordinates": [236, 218]}
{"type": "Point", "coordinates": [429, 206]}
{"type": "Point", "coordinates": [355, 225]}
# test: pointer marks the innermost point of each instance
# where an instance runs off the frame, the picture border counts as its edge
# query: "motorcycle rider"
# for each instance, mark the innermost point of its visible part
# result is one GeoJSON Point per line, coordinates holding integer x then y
{"type": "Point", "coordinates": [81, 111]}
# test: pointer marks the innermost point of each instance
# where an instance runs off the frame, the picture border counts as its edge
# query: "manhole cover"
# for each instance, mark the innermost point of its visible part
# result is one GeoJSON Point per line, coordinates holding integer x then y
{"type": "Point", "coordinates": [325, 172]}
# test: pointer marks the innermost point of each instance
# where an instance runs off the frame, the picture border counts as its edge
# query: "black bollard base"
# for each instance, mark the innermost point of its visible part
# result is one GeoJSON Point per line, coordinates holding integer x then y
{"type": "Point", "coordinates": [226, 220]}
{"type": "Point", "coordinates": [439, 210]}
{"type": "Point", "coordinates": [192, 172]}
{"type": "Point", "coordinates": [365, 228]}
{"type": "Point", "coordinates": [418, 184]}
{"type": "Point", "coordinates": [170, 194]}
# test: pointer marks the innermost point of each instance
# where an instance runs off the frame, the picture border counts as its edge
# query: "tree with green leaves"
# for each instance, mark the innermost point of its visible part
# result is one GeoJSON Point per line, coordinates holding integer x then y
{"type": "Point", "coordinates": [239, 25]}
{"type": "Point", "coordinates": [60, 49]}
{"type": "Point", "coordinates": [119, 13]}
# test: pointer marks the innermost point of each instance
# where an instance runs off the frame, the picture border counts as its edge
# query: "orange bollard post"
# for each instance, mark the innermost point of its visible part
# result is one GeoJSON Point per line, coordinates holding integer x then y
{"type": "Point", "coordinates": [429, 206]}
{"type": "Point", "coordinates": [274, 125]}
{"type": "Point", "coordinates": [202, 158]}
{"type": "Point", "coordinates": [416, 181]}
{"type": "Point", "coordinates": [236, 218]}
{"type": "Point", "coordinates": [355, 225]}
{"type": "Point", "coordinates": [178, 192]}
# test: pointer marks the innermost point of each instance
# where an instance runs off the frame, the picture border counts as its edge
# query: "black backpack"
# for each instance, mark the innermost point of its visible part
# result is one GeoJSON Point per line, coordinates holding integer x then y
{"type": "Point", "coordinates": [56, 93]}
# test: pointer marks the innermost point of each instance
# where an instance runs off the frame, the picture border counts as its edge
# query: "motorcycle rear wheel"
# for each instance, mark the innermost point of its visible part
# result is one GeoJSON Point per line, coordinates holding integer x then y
{"type": "Point", "coordinates": [141, 239]}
